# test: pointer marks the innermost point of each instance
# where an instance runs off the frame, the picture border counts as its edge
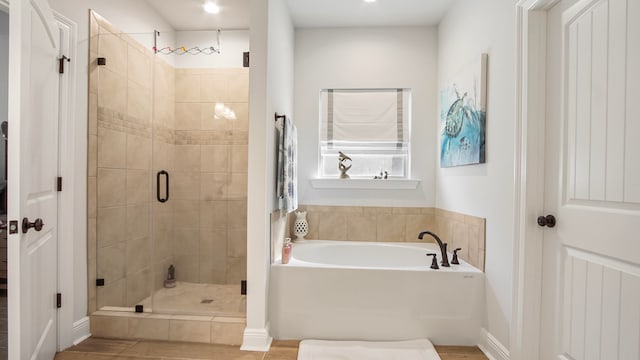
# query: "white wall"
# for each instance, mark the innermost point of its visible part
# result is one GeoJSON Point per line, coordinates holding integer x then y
{"type": "Point", "coordinates": [469, 29]}
{"type": "Point", "coordinates": [4, 80]}
{"type": "Point", "coordinates": [271, 90]}
{"type": "Point", "coordinates": [383, 57]}
{"type": "Point", "coordinates": [130, 16]}
{"type": "Point", "coordinates": [232, 42]}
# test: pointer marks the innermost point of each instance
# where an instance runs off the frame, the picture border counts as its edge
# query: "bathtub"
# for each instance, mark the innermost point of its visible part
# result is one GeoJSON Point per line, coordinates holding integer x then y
{"type": "Point", "coordinates": [374, 291]}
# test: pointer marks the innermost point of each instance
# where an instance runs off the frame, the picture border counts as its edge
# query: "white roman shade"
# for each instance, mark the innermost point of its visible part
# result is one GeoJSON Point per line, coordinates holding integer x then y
{"type": "Point", "coordinates": [372, 126]}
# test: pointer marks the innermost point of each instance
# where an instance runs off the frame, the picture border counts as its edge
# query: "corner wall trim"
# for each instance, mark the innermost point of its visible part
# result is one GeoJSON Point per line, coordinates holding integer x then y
{"type": "Point", "coordinates": [81, 330]}
{"type": "Point", "coordinates": [256, 340]}
{"type": "Point", "coordinates": [491, 347]}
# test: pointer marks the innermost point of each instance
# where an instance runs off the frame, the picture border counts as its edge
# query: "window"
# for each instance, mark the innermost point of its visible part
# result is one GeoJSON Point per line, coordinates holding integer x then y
{"type": "Point", "coordinates": [371, 126]}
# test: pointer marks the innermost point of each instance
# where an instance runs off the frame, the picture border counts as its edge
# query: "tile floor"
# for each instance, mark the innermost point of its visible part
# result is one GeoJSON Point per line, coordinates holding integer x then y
{"type": "Point", "coordinates": [110, 349]}
{"type": "Point", "coordinates": [198, 299]}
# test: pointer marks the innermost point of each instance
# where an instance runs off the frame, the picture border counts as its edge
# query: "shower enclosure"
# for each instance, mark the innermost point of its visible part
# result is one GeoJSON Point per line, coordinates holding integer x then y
{"type": "Point", "coordinates": [167, 177]}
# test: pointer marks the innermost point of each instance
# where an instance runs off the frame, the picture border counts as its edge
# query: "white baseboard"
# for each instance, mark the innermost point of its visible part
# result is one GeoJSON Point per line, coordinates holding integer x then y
{"type": "Point", "coordinates": [256, 340]}
{"type": "Point", "coordinates": [81, 330]}
{"type": "Point", "coordinates": [491, 347]}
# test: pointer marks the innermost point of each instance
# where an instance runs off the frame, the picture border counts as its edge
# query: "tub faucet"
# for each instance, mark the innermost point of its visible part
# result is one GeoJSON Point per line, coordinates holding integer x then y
{"type": "Point", "coordinates": [443, 246]}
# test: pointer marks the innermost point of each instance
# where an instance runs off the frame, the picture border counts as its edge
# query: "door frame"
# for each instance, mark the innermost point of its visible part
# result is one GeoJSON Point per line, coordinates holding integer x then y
{"type": "Point", "coordinates": [72, 269]}
{"type": "Point", "coordinates": [531, 20]}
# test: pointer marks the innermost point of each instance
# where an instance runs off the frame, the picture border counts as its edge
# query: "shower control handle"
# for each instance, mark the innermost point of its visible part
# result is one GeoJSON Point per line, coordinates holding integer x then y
{"type": "Point", "coordinates": [158, 195]}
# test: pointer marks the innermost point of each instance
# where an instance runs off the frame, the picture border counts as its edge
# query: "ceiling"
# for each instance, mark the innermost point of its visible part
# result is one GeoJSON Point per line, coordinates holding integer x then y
{"type": "Point", "coordinates": [186, 15]}
{"type": "Point", "coordinates": [189, 15]}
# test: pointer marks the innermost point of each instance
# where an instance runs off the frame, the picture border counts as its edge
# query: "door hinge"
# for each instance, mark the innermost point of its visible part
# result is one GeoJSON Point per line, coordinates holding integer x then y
{"type": "Point", "coordinates": [99, 282]}
{"type": "Point", "coordinates": [61, 63]}
{"type": "Point", "coordinates": [58, 300]}
{"type": "Point", "coordinates": [245, 59]}
{"type": "Point", "coordinates": [59, 184]}
{"type": "Point", "coordinates": [243, 287]}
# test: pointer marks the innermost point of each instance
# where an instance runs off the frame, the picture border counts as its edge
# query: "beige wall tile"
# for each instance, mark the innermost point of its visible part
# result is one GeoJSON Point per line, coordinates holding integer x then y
{"type": "Point", "coordinates": [333, 226]}
{"type": "Point", "coordinates": [239, 158]}
{"type": "Point", "coordinates": [148, 328]}
{"type": "Point", "coordinates": [209, 122]}
{"type": "Point", "coordinates": [187, 88]}
{"type": "Point", "coordinates": [138, 254]}
{"type": "Point", "coordinates": [138, 152]}
{"type": "Point", "coordinates": [391, 227]}
{"type": "Point", "coordinates": [186, 213]}
{"type": "Point", "coordinates": [92, 155]}
{"type": "Point", "coordinates": [236, 269]}
{"type": "Point", "coordinates": [138, 287]}
{"type": "Point", "coordinates": [186, 186]}
{"type": "Point", "coordinates": [361, 227]}
{"type": "Point", "coordinates": [164, 108]}
{"type": "Point", "coordinates": [92, 245]}
{"type": "Point", "coordinates": [163, 155]}
{"type": "Point", "coordinates": [111, 226]}
{"type": "Point", "coordinates": [213, 214]}
{"type": "Point", "coordinates": [113, 294]}
{"type": "Point", "coordinates": [92, 197]}
{"type": "Point", "coordinates": [213, 245]}
{"type": "Point", "coordinates": [139, 101]}
{"type": "Point", "coordinates": [186, 241]}
{"type": "Point", "coordinates": [215, 158]}
{"type": "Point", "coordinates": [112, 47]}
{"type": "Point", "coordinates": [111, 148]}
{"type": "Point", "coordinates": [108, 326]}
{"type": "Point", "coordinates": [138, 186]}
{"type": "Point", "coordinates": [187, 158]}
{"type": "Point", "coordinates": [139, 67]}
{"type": "Point", "coordinates": [213, 88]}
{"type": "Point", "coordinates": [241, 123]}
{"type": "Point", "coordinates": [237, 186]}
{"type": "Point", "coordinates": [94, 77]}
{"type": "Point", "coordinates": [111, 187]}
{"type": "Point", "coordinates": [189, 331]}
{"type": "Point", "coordinates": [214, 186]}
{"type": "Point", "coordinates": [407, 210]}
{"type": "Point", "coordinates": [188, 115]}
{"type": "Point", "coordinates": [237, 243]}
{"type": "Point", "coordinates": [460, 240]}
{"type": "Point", "coordinates": [227, 333]}
{"type": "Point", "coordinates": [138, 221]}
{"type": "Point", "coordinates": [238, 88]}
{"type": "Point", "coordinates": [112, 262]}
{"type": "Point", "coordinates": [110, 94]}
{"type": "Point", "coordinates": [237, 214]}
{"type": "Point", "coordinates": [93, 114]}
{"type": "Point", "coordinates": [417, 223]}
{"type": "Point", "coordinates": [187, 268]}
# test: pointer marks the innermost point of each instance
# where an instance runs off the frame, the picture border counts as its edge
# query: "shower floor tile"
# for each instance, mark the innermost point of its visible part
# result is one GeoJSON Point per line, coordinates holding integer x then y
{"type": "Point", "coordinates": [198, 299]}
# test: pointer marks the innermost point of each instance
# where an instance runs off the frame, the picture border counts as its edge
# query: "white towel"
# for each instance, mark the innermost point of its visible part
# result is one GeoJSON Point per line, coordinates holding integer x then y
{"type": "Point", "coordinates": [420, 349]}
{"type": "Point", "coordinates": [287, 165]}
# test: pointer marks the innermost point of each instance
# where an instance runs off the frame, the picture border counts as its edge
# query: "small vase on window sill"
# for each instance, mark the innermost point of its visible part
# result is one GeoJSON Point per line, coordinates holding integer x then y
{"type": "Point", "coordinates": [342, 159]}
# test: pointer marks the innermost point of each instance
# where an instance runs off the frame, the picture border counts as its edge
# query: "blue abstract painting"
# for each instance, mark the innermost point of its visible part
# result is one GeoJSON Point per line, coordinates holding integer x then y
{"type": "Point", "coordinates": [463, 116]}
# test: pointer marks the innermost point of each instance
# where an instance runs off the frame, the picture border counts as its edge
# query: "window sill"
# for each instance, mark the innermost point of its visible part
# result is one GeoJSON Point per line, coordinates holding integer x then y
{"type": "Point", "coordinates": [365, 184]}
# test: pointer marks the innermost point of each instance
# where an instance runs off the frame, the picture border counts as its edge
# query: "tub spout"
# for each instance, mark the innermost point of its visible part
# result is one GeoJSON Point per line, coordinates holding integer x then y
{"type": "Point", "coordinates": [443, 247]}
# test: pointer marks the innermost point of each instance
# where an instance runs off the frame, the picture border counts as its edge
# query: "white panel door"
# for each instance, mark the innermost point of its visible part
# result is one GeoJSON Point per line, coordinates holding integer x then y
{"type": "Point", "coordinates": [33, 169]}
{"type": "Point", "coordinates": [591, 266]}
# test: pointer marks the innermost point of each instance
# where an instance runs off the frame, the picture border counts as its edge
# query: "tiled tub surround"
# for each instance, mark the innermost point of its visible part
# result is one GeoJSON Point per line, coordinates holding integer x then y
{"type": "Point", "coordinates": [146, 116]}
{"type": "Point", "coordinates": [392, 224]}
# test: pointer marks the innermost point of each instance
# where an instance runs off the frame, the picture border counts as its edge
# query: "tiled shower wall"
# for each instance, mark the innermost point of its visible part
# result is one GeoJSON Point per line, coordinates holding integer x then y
{"type": "Point", "coordinates": [202, 228]}
{"type": "Point", "coordinates": [395, 224]}
{"type": "Point", "coordinates": [120, 100]}
{"type": "Point", "coordinates": [210, 177]}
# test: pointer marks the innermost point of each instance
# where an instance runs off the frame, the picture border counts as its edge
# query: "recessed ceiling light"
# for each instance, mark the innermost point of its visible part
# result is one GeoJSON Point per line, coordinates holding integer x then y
{"type": "Point", "coordinates": [211, 8]}
{"type": "Point", "coordinates": [369, 1]}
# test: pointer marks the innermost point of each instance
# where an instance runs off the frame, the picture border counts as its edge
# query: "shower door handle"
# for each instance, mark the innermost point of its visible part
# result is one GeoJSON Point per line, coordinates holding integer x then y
{"type": "Point", "coordinates": [158, 196]}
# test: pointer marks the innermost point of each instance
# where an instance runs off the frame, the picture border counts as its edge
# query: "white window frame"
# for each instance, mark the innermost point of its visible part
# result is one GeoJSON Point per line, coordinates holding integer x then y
{"type": "Point", "coordinates": [402, 143]}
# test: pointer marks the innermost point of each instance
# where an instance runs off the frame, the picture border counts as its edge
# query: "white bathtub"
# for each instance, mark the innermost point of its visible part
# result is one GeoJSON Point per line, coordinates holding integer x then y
{"type": "Point", "coordinates": [374, 291]}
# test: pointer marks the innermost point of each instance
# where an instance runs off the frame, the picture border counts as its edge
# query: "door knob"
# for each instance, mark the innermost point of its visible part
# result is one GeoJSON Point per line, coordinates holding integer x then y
{"type": "Point", "coordinates": [26, 225]}
{"type": "Point", "coordinates": [548, 221]}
